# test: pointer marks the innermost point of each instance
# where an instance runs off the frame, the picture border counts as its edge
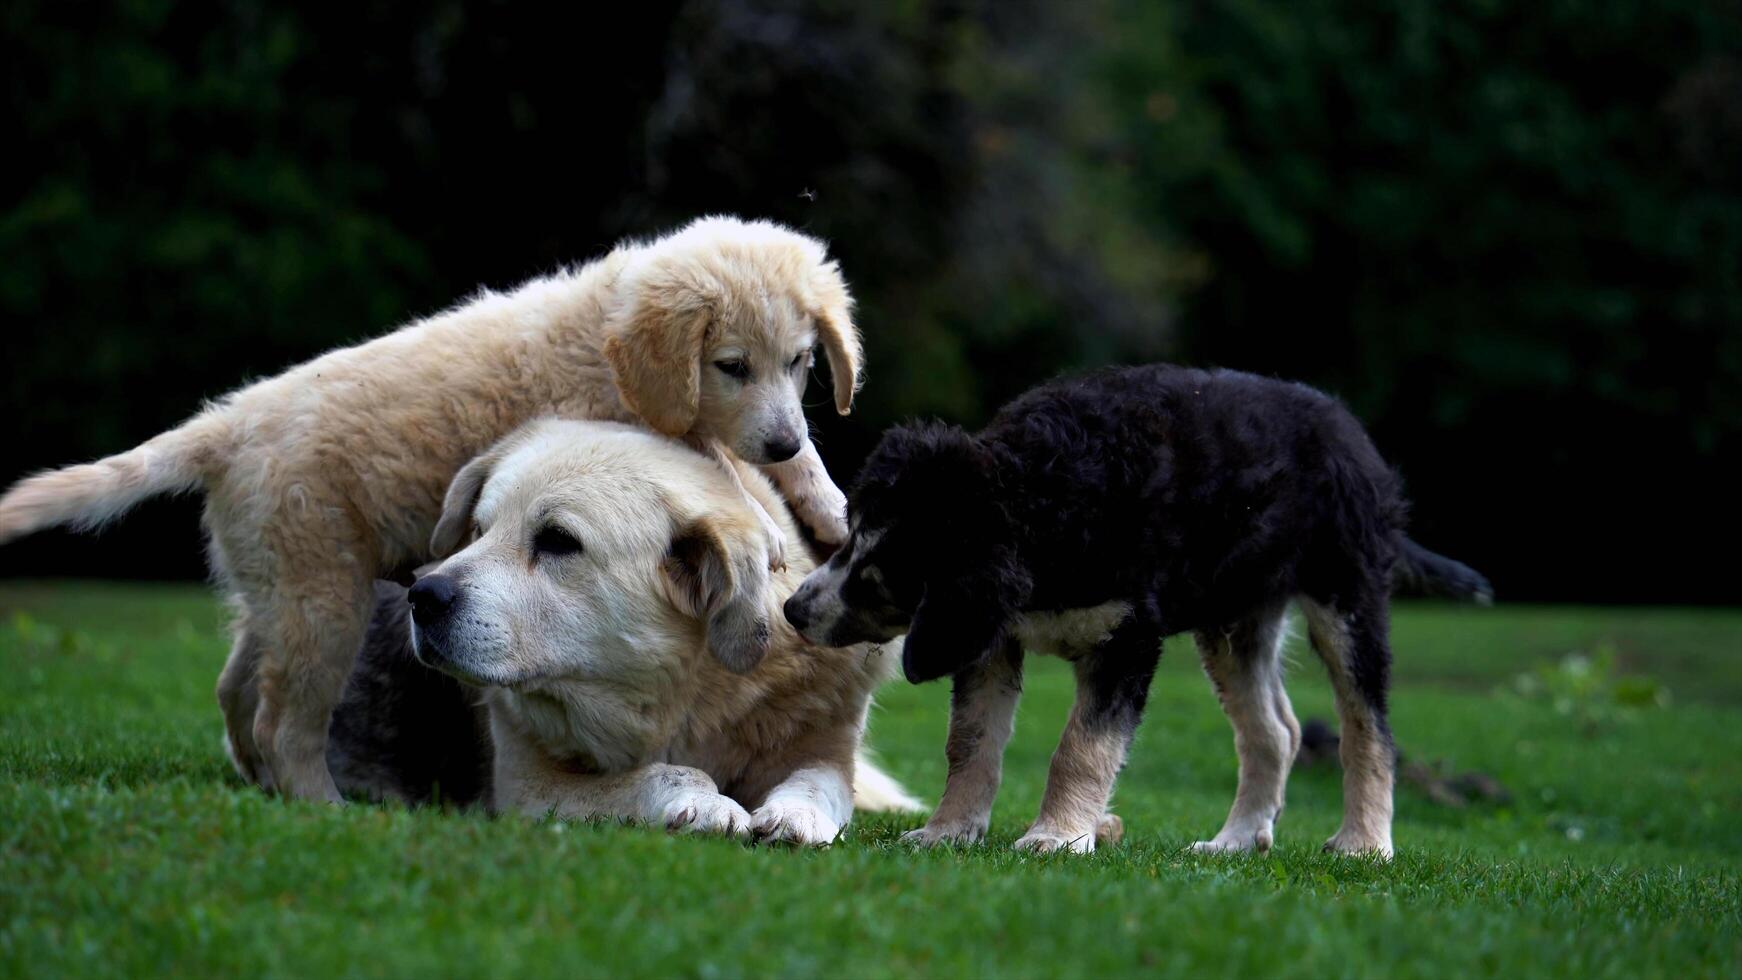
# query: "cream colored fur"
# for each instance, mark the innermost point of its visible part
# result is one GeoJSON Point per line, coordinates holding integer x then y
{"type": "Point", "coordinates": [604, 697]}
{"type": "Point", "coordinates": [333, 473]}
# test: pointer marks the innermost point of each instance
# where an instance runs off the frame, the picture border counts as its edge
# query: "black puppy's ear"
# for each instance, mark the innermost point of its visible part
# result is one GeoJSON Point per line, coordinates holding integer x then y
{"type": "Point", "coordinates": [711, 579]}
{"type": "Point", "coordinates": [957, 624]}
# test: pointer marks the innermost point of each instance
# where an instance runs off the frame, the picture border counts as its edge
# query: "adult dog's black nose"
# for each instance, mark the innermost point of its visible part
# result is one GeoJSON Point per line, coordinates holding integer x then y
{"type": "Point", "coordinates": [432, 597]}
{"type": "Point", "coordinates": [780, 450]}
{"type": "Point", "coordinates": [795, 612]}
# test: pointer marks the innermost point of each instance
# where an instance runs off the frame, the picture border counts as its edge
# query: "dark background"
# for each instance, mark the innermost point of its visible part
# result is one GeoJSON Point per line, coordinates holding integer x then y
{"type": "Point", "coordinates": [1508, 234]}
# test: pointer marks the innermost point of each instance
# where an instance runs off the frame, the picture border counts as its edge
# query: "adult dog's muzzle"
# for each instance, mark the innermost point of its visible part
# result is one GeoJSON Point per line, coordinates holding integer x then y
{"type": "Point", "coordinates": [432, 598]}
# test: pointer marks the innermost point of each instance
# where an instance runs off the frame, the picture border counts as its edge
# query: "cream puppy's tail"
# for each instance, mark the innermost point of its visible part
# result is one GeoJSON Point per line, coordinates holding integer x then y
{"type": "Point", "coordinates": [88, 496]}
{"type": "Point", "coordinates": [877, 791]}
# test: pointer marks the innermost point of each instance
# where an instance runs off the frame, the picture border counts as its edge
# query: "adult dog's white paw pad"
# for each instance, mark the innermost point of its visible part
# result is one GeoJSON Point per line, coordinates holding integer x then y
{"type": "Point", "coordinates": [707, 813]}
{"type": "Point", "coordinates": [792, 822]}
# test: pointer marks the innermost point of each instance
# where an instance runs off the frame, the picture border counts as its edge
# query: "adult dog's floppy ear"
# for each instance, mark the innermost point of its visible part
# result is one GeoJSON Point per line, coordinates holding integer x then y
{"type": "Point", "coordinates": [460, 501]}
{"type": "Point", "coordinates": [840, 338]}
{"type": "Point", "coordinates": [655, 353]}
{"type": "Point", "coordinates": [958, 623]}
{"type": "Point", "coordinates": [725, 585]}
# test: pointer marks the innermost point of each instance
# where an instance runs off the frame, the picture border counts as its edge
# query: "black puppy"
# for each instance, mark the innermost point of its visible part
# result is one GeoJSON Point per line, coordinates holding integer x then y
{"type": "Point", "coordinates": [1097, 515]}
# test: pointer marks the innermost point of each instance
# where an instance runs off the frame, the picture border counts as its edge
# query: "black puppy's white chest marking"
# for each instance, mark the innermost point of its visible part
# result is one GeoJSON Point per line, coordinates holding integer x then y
{"type": "Point", "coordinates": [1070, 633]}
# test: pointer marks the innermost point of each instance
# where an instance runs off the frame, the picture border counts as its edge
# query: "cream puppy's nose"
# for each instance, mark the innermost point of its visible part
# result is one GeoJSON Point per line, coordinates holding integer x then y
{"type": "Point", "coordinates": [781, 449]}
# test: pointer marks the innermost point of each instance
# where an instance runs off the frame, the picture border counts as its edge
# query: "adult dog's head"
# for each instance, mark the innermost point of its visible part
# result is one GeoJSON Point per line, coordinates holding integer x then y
{"type": "Point", "coordinates": [930, 554]}
{"type": "Point", "coordinates": [589, 548]}
{"type": "Point", "coordinates": [713, 329]}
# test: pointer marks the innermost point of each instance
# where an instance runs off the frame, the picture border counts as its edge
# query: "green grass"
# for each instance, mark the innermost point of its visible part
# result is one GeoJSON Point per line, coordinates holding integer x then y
{"type": "Point", "coordinates": [129, 848]}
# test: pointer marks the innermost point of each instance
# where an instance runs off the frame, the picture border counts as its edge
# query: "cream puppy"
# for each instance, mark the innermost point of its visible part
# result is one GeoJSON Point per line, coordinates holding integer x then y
{"type": "Point", "coordinates": [331, 475]}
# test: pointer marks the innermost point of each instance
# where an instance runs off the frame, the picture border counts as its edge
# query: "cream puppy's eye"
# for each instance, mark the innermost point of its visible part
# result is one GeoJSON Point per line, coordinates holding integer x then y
{"type": "Point", "coordinates": [554, 542]}
{"type": "Point", "coordinates": [735, 368]}
{"type": "Point", "coordinates": [803, 360]}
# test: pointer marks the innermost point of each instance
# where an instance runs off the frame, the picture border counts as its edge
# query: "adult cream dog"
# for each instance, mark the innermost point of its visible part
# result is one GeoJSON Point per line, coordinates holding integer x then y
{"type": "Point", "coordinates": [610, 575]}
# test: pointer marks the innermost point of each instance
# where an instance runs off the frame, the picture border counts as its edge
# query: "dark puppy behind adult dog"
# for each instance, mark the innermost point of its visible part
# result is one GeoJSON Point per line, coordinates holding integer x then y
{"type": "Point", "coordinates": [1097, 515]}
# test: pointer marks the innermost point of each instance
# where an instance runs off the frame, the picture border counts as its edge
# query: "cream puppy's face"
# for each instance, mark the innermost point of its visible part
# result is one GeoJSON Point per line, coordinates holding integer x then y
{"type": "Point", "coordinates": [593, 547]}
{"type": "Point", "coordinates": [712, 331]}
{"type": "Point", "coordinates": [752, 387]}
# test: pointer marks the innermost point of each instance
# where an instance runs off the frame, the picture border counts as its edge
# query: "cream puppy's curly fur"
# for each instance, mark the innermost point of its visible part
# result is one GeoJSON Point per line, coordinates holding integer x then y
{"type": "Point", "coordinates": [332, 474]}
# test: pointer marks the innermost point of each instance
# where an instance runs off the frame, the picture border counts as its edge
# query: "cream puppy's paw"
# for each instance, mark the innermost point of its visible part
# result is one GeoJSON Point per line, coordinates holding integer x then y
{"type": "Point", "coordinates": [825, 511]}
{"type": "Point", "coordinates": [957, 832]}
{"type": "Point", "coordinates": [793, 822]}
{"type": "Point", "coordinates": [702, 812]}
{"type": "Point", "coordinates": [775, 539]}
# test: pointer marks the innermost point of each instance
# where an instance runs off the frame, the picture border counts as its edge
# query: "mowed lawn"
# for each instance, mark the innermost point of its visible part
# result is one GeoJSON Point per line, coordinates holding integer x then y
{"type": "Point", "coordinates": [127, 847]}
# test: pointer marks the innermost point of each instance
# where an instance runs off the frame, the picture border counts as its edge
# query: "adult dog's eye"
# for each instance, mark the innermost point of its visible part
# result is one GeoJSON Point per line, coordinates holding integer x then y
{"type": "Point", "coordinates": [733, 369]}
{"type": "Point", "coordinates": [555, 542]}
{"type": "Point", "coordinates": [872, 574]}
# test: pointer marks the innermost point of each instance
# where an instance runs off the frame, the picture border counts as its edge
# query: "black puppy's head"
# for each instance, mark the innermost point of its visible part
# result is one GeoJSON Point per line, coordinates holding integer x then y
{"type": "Point", "coordinates": [931, 553]}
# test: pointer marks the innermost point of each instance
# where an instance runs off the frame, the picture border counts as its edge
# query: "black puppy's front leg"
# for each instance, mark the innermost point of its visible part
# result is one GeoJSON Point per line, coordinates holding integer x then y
{"type": "Point", "coordinates": [982, 715]}
{"type": "Point", "coordinates": [1112, 688]}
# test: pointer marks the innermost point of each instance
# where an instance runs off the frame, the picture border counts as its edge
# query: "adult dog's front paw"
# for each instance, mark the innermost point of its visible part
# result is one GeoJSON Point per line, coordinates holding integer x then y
{"type": "Point", "coordinates": [793, 822]}
{"type": "Point", "coordinates": [1047, 841]}
{"type": "Point", "coordinates": [700, 812]}
{"type": "Point", "coordinates": [956, 832]}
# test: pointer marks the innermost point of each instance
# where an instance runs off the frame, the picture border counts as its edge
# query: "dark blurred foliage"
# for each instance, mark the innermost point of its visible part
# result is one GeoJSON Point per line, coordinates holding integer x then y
{"type": "Point", "coordinates": [1509, 235]}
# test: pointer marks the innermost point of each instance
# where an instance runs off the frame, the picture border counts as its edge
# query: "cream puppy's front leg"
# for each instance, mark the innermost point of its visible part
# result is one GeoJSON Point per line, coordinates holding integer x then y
{"type": "Point", "coordinates": [771, 531]}
{"type": "Point", "coordinates": [675, 797]}
{"type": "Point", "coordinates": [805, 484]}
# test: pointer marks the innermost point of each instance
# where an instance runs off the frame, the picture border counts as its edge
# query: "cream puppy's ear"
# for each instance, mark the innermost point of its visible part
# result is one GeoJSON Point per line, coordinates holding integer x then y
{"type": "Point", "coordinates": [840, 338]}
{"type": "Point", "coordinates": [720, 574]}
{"type": "Point", "coordinates": [655, 350]}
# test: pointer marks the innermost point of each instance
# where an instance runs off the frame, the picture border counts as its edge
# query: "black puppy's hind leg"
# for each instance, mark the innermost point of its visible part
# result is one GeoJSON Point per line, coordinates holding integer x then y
{"type": "Point", "coordinates": [1244, 662]}
{"type": "Point", "coordinates": [1353, 644]}
{"type": "Point", "coordinates": [982, 715]}
{"type": "Point", "coordinates": [1112, 689]}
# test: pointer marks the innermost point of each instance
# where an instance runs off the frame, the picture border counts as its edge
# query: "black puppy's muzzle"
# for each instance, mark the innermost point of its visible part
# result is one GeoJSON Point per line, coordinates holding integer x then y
{"type": "Point", "coordinates": [797, 611]}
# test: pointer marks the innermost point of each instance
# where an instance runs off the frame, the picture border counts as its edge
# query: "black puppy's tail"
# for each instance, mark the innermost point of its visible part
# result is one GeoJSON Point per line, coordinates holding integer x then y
{"type": "Point", "coordinates": [1421, 572]}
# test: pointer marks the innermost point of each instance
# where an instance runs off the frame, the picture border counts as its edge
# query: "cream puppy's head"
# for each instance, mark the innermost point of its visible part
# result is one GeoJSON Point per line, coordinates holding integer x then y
{"type": "Point", "coordinates": [590, 547]}
{"type": "Point", "coordinates": [712, 332]}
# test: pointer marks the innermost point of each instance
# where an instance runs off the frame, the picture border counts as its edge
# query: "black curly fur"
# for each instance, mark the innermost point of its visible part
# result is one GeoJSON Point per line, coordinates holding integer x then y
{"type": "Point", "coordinates": [403, 731]}
{"type": "Point", "coordinates": [1196, 496]}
